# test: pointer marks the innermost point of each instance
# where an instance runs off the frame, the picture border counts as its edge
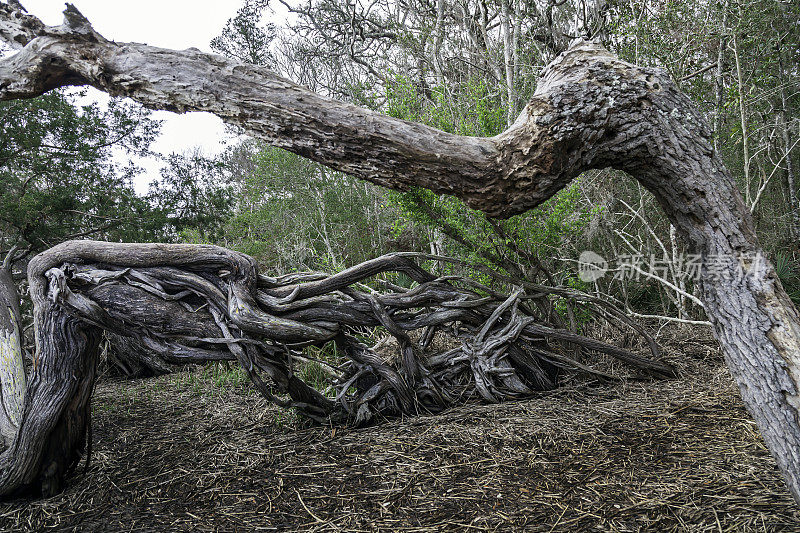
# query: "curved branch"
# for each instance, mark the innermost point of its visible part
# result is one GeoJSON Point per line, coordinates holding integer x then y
{"type": "Point", "coordinates": [502, 176]}
{"type": "Point", "coordinates": [191, 303]}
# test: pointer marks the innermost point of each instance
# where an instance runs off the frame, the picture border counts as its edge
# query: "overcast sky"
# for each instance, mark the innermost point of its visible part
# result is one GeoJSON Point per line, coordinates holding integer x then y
{"type": "Point", "coordinates": [176, 24]}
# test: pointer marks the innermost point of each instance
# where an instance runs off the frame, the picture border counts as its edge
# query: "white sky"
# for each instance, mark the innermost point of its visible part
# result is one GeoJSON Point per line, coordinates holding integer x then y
{"type": "Point", "coordinates": [176, 24]}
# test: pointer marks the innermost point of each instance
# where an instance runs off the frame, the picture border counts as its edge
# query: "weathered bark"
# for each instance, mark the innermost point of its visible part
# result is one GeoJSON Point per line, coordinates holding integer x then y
{"type": "Point", "coordinates": [190, 303]}
{"type": "Point", "coordinates": [12, 369]}
{"type": "Point", "coordinates": [590, 110]}
{"type": "Point", "coordinates": [126, 356]}
{"type": "Point", "coordinates": [52, 431]}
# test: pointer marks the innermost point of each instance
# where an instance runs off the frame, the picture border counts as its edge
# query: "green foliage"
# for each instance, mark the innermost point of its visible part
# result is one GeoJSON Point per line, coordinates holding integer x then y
{"type": "Point", "coordinates": [222, 376]}
{"type": "Point", "coordinates": [294, 214]}
{"type": "Point", "coordinates": [470, 109]}
{"type": "Point", "coordinates": [193, 199]}
{"type": "Point", "coordinates": [245, 37]}
{"type": "Point", "coordinates": [788, 272]}
{"type": "Point", "coordinates": [314, 373]}
{"type": "Point", "coordinates": [61, 175]}
{"type": "Point", "coordinates": [540, 232]}
{"type": "Point", "coordinates": [546, 231]}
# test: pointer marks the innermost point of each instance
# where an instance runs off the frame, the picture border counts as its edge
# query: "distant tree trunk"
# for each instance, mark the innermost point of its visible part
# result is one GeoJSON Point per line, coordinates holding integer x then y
{"type": "Point", "coordinates": [743, 116]}
{"type": "Point", "coordinates": [508, 62]}
{"type": "Point", "coordinates": [785, 119]}
{"type": "Point", "coordinates": [719, 85]}
{"type": "Point", "coordinates": [590, 110]}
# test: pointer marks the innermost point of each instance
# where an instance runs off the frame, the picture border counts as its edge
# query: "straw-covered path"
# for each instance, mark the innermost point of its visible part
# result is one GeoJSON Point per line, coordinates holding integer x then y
{"type": "Point", "coordinates": [169, 454]}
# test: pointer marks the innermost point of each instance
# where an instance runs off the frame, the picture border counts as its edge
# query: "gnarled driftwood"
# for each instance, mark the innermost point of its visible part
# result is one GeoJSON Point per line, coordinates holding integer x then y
{"type": "Point", "coordinates": [191, 303]}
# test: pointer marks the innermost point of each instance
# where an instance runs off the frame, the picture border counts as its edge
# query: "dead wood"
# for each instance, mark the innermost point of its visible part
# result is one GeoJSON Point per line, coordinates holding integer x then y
{"type": "Point", "coordinates": [191, 303]}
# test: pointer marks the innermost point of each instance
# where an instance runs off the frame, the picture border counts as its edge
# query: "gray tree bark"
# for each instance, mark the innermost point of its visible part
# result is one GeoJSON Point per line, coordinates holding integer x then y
{"type": "Point", "coordinates": [590, 110]}
{"type": "Point", "coordinates": [128, 357]}
{"type": "Point", "coordinates": [12, 369]}
{"type": "Point", "coordinates": [785, 117]}
{"type": "Point", "coordinates": [191, 303]}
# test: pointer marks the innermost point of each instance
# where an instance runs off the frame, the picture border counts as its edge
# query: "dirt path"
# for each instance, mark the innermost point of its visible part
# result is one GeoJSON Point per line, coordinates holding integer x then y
{"type": "Point", "coordinates": [196, 452]}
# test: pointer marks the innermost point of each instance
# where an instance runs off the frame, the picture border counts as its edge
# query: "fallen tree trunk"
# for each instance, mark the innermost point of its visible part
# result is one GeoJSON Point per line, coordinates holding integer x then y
{"type": "Point", "coordinates": [590, 110]}
{"type": "Point", "coordinates": [191, 303]}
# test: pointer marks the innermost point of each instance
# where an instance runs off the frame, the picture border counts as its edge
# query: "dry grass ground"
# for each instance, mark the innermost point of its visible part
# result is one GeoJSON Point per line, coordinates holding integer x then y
{"type": "Point", "coordinates": [196, 452]}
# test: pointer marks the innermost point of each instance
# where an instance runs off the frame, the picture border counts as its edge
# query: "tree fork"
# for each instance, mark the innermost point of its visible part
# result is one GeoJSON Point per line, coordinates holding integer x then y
{"type": "Point", "coordinates": [590, 110]}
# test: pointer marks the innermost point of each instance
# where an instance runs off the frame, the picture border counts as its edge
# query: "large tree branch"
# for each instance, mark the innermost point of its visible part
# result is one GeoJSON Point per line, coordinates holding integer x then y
{"type": "Point", "coordinates": [17, 28]}
{"type": "Point", "coordinates": [501, 176]}
{"type": "Point", "coordinates": [590, 110]}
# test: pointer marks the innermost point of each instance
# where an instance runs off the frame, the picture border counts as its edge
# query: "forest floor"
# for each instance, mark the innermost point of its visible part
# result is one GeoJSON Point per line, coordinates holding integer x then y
{"type": "Point", "coordinates": [197, 451]}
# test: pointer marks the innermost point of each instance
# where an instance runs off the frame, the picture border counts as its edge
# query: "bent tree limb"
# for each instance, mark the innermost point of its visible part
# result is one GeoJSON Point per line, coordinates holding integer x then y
{"type": "Point", "coordinates": [590, 110]}
{"type": "Point", "coordinates": [190, 303]}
